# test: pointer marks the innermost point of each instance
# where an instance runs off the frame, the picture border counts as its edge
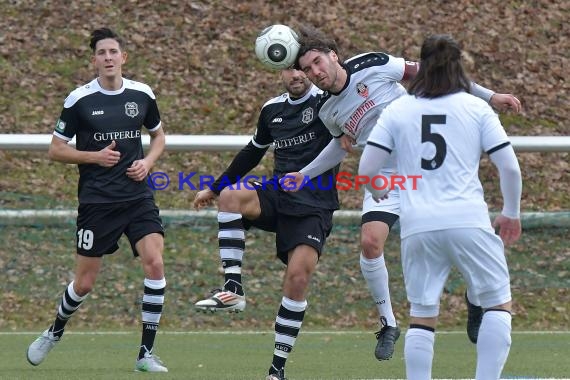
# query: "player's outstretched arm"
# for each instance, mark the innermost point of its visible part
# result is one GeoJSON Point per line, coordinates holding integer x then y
{"type": "Point", "coordinates": [505, 102]}
{"type": "Point", "coordinates": [500, 102]}
{"type": "Point", "coordinates": [508, 222]}
{"type": "Point", "coordinates": [347, 143]}
{"type": "Point", "coordinates": [244, 161]}
{"type": "Point", "coordinates": [330, 156]}
{"type": "Point", "coordinates": [371, 161]}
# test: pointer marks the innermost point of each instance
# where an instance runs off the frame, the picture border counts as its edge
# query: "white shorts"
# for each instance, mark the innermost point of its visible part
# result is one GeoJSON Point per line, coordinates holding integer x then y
{"type": "Point", "coordinates": [391, 205]}
{"type": "Point", "coordinates": [427, 258]}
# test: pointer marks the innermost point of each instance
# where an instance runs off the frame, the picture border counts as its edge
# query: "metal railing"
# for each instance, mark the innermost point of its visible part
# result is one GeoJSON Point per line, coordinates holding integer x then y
{"type": "Point", "coordinates": [183, 143]}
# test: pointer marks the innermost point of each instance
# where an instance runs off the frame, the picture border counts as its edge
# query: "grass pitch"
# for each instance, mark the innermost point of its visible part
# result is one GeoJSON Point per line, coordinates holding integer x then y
{"type": "Point", "coordinates": [247, 355]}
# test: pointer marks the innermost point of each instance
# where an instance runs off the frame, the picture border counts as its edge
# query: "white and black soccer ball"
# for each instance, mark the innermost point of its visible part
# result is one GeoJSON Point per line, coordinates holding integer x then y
{"type": "Point", "coordinates": [277, 47]}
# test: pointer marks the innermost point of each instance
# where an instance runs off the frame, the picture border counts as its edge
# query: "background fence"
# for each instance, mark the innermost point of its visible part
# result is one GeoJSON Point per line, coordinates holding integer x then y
{"type": "Point", "coordinates": [220, 143]}
{"type": "Point", "coordinates": [179, 143]}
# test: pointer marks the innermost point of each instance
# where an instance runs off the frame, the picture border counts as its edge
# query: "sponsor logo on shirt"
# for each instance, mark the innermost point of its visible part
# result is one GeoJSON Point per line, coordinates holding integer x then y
{"type": "Point", "coordinates": [60, 126]}
{"type": "Point", "coordinates": [97, 112]}
{"type": "Point", "coordinates": [301, 139]}
{"type": "Point", "coordinates": [277, 120]}
{"type": "Point", "coordinates": [118, 135]}
{"type": "Point", "coordinates": [352, 124]}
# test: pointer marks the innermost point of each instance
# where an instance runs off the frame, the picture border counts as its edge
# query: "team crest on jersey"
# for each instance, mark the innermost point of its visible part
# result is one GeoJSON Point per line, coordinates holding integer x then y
{"type": "Point", "coordinates": [131, 109]}
{"type": "Point", "coordinates": [362, 89]}
{"type": "Point", "coordinates": [308, 115]}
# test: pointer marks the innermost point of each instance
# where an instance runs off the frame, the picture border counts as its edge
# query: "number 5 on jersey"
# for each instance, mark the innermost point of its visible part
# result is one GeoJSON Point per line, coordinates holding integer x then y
{"type": "Point", "coordinates": [436, 139]}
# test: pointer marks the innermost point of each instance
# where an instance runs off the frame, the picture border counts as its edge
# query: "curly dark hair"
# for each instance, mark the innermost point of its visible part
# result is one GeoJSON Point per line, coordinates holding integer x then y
{"type": "Point", "coordinates": [311, 38]}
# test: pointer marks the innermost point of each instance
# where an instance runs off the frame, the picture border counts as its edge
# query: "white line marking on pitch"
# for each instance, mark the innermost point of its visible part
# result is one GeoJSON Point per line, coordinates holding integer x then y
{"type": "Point", "coordinates": [259, 332]}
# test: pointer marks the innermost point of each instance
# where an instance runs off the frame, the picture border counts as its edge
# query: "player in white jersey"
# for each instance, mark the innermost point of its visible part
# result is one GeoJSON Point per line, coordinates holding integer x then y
{"type": "Point", "coordinates": [356, 93]}
{"type": "Point", "coordinates": [439, 132]}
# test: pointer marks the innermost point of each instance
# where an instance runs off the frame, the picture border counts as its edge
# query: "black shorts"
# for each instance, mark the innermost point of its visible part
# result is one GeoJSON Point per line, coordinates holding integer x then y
{"type": "Point", "coordinates": [311, 226]}
{"type": "Point", "coordinates": [380, 216]}
{"type": "Point", "coordinates": [100, 225]}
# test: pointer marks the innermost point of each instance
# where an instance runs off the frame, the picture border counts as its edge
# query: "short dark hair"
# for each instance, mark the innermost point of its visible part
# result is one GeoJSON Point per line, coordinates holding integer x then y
{"type": "Point", "coordinates": [441, 71]}
{"type": "Point", "coordinates": [311, 38]}
{"type": "Point", "coordinates": [101, 34]}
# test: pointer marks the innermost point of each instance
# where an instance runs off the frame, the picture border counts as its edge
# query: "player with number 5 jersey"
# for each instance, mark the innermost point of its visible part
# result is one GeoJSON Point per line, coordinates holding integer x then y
{"type": "Point", "coordinates": [356, 92]}
{"type": "Point", "coordinates": [440, 131]}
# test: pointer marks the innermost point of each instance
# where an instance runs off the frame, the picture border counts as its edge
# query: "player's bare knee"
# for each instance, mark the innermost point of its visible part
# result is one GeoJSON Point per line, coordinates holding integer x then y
{"type": "Point", "coordinates": [83, 285]}
{"type": "Point", "coordinates": [229, 200]}
{"type": "Point", "coordinates": [372, 247]}
{"type": "Point", "coordinates": [298, 280]}
{"type": "Point", "coordinates": [153, 267]}
{"type": "Point", "coordinates": [225, 198]}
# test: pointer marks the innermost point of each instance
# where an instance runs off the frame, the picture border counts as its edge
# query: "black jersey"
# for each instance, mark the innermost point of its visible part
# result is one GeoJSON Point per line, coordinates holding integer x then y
{"type": "Point", "coordinates": [96, 117]}
{"type": "Point", "coordinates": [298, 136]}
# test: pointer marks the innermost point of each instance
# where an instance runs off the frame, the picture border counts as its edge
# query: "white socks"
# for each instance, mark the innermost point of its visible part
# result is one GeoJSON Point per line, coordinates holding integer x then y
{"type": "Point", "coordinates": [493, 344]}
{"type": "Point", "coordinates": [418, 353]}
{"type": "Point", "coordinates": [376, 276]}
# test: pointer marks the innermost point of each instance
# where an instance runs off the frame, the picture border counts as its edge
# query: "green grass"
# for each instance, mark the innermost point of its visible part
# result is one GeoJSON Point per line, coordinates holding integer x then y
{"type": "Point", "coordinates": [247, 355]}
{"type": "Point", "coordinates": [37, 263]}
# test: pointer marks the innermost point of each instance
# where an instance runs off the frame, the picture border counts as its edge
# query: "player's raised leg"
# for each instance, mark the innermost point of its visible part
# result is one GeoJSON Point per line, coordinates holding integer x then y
{"type": "Point", "coordinates": [234, 204]}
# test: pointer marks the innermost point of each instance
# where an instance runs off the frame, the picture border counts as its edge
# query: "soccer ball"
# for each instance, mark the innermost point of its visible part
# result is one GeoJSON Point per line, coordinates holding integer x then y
{"type": "Point", "coordinates": [277, 47]}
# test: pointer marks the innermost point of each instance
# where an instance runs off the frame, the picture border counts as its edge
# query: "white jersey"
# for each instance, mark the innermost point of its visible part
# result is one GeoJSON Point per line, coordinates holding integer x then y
{"type": "Point", "coordinates": [372, 84]}
{"type": "Point", "coordinates": [442, 140]}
